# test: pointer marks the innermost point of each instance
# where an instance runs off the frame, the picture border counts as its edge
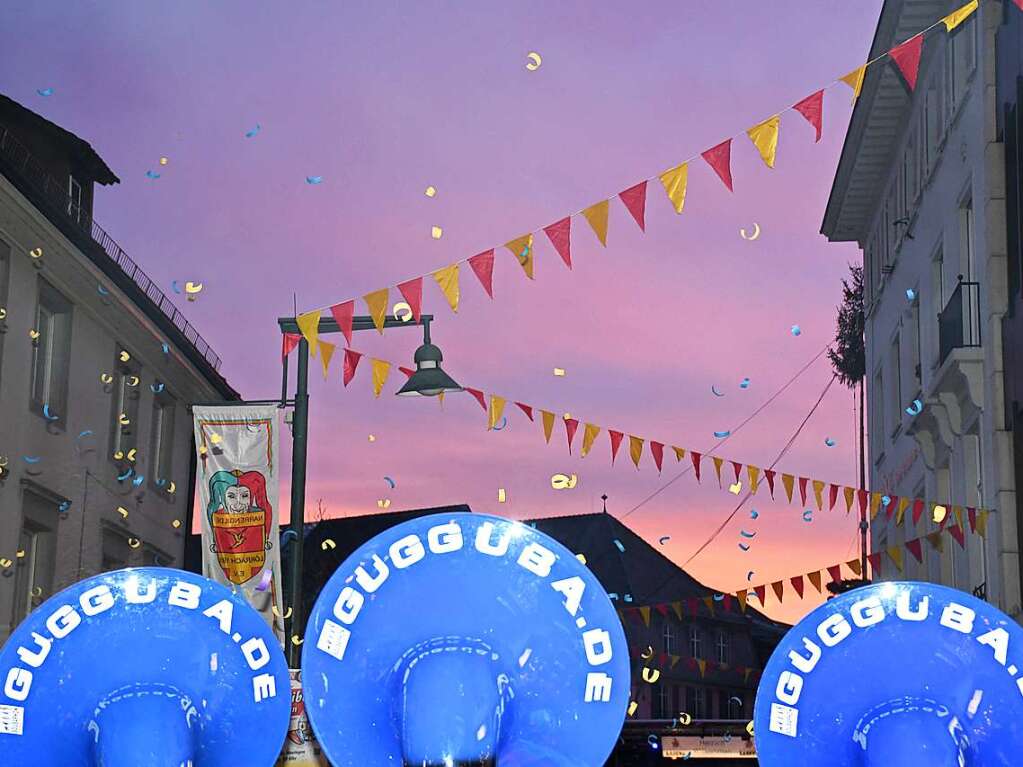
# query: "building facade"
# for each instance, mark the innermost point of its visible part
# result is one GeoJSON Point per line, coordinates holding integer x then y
{"type": "Point", "coordinates": [921, 188]}
{"type": "Point", "coordinates": [97, 370]}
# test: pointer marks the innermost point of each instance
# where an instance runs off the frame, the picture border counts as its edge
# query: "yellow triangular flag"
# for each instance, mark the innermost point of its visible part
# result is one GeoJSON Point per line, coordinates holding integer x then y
{"type": "Point", "coordinates": [677, 607]}
{"type": "Point", "coordinates": [590, 432]}
{"type": "Point", "coordinates": [309, 324]}
{"type": "Point", "coordinates": [741, 596]}
{"type": "Point", "coordinates": [522, 249]}
{"type": "Point", "coordinates": [901, 513]}
{"type": "Point", "coordinates": [717, 467]}
{"type": "Point", "coordinates": [680, 453]}
{"type": "Point", "coordinates": [746, 674]}
{"type": "Point", "coordinates": [635, 449]}
{"type": "Point", "coordinates": [597, 216]}
{"type": "Point", "coordinates": [765, 138]}
{"type": "Point", "coordinates": [381, 369]}
{"type": "Point", "coordinates": [849, 494]}
{"type": "Point", "coordinates": [896, 554]}
{"type": "Point", "coordinates": [703, 666]}
{"type": "Point", "coordinates": [957, 512]}
{"type": "Point", "coordinates": [377, 303]}
{"type": "Point", "coordinates": [674, 182]}
{"type": "Point", "coordinates": [856, 566]}
{"type": "Point", "coordinates": [818, 490]}
{"type": "Point", "coordinates": [548, 424]}
{"type": "Point", "coordinates": [788, 480]}
{"type": "Point", "coordinates": [875, 505]}
{"type": "Point", "coordinates": [447, 279]}
{"type": "Point", "coordinates": [495, 411]}
{"type": "Point", "coordinates": [936, 540]}
{"type": "Point", "coordinates": [754, 477]}
{"type": "Point", "coordinates": [815, 580]}
{"type": "Point", "coordinates": [326, 352]}
{"type": "Point", "coordinates": [645, 613]}
{"type": "Point", "coordinates": [709, 601]}
{"type": "Point", "coordinates": [957, 17]}
{"type": "Point", "coordinates": [982, 523]}
{"type": "Point", "coordinates": [674, 660]}
{"type": "Point", "coordinates": [855, 80]}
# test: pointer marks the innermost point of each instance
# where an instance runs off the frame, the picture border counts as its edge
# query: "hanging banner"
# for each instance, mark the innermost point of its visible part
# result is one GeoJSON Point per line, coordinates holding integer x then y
{"type": "Point", "coordinates": [238, 463]}
{"type": "Point", "coordinates": [301, 748]}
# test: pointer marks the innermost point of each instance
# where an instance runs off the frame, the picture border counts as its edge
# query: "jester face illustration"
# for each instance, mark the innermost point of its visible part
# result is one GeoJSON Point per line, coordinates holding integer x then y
{"type": "Point", "coordinates": [239, 514]}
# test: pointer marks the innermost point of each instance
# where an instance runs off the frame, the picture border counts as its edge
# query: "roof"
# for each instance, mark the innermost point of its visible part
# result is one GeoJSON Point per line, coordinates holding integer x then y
{"type": "Point", "coordinates": [878, 123]}
{"type": "Point", "coordinates": [80, 148]}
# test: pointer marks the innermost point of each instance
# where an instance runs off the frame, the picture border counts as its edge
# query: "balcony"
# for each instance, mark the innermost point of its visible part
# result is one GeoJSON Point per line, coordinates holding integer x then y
{"type": "Point", "coordinates": [52, 197]}
{"type": "Point", "coordinates": [959, 321]}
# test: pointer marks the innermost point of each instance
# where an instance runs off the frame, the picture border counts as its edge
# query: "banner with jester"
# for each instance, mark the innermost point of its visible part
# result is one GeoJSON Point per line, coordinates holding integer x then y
{"type": "Point", "coordinates": [238, 454]}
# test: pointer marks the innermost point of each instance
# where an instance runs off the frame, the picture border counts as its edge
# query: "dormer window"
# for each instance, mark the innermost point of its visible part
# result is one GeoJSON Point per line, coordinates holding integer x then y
{"type": "Point", "coordinates": [74, 199]}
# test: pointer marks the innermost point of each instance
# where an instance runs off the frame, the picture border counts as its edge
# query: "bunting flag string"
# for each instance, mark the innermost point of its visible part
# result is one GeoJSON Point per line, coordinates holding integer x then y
{"type": "Point", "coordinates": [764, 137]}
{"type": "Point", "coordinates": [702, 666]}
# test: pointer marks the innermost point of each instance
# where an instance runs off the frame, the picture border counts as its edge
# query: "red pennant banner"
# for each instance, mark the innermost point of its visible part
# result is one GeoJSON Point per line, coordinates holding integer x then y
{"type": "Point", "coordinates": [737, 468]}
{"type": "Point", "coordinates": [560, 235]}
{"type": "Point", "coordinates": [957, 532]}
{"type": "Point", "coordinates": [351, 363]}
{"type": "Point", "coordinates": [779, 589]}
{"type": "Point", "coordinates": [893, 504]}
{"type": "Point", "coordinates": [907, 58]}
{"type": "Point", "coordinates": [483, 267]}
{"type": "Point", "coordinates": [915, 549]}
{"type": "Point", "coordinates": [634, 199]}
{"type": "Point", "coordinates": [971, 513]}
{"type": "Point", "coordinates": [343, 314]}
{"type": "Point", "coordinates": [695, 458]}
{"type": "Point", "coordinates": [616, 441]}
{"type": "Point", "coordinates": [571, 424]}
{"type": "Point", "coordinates": [769, 475]}
{"type": "Point", "coordinates": [720, 159]}
{"type": "Point", "coordinates": [797, 584]}
{"type": "Point", "coordinates": [657, 451]}
{"type": "Point", "coordinates": [288, 343]}
{"type": "Point", "coordinates": [479, 397]}
{"type": "Point", "coordinates": [832, 496]}
{"type": "Point", "coordinates": [802, 490]}
{"type": "Point", "coordinates": [812, 108]}
{"type": "Point", "coordinates": [525, 409]}
{"type": "Point", "coordinates": [409, 372]}
{"type": "Point", "coordinates": [918, 510]}
{"type": "Point", "coordinates": [875, 563]}
{"type": "Point", "coordinates": [413, 293]}
{"type": "Point", "coordinates": [761, 592]}
{"type": "Point", "coordinates": [835, 571]}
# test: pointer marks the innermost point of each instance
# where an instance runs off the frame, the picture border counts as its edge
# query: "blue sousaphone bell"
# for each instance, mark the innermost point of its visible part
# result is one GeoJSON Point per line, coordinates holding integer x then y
{"type": "Point", "coordinates": [464, 639]}
{"type": "Point", "coordinates": [147, 667]}
{"type": "Point", "coordinates": [895, 674]}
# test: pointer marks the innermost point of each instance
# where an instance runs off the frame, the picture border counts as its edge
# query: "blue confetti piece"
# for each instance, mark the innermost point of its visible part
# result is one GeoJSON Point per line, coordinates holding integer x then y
{"type": "Point", "coordinates": [139, 480]}
{"type": "Point", "coordinates": [722, 434]}
{"type": "Point", "coordinates": [628, 597]}
{"type": "Point", "coordinates": [32, 458]}
{"type": "Point", "coordinates": [910, 294]}
{"type": "Point", "coordinates": [166, 348]}
{"type": "Point", "coordinates": [314, 179]}
{"type": "Point", "coordinates": [753, 514]}
{"type": "Point", "coordinates": [102, 291]}
{"type": "Point", "coordinates": [744, 384]}
{"type": "Point", "coordinates": [715, 392]}
{"type": "Point", "coordinates": [829, 442]}
{"type": "Point", "coordinates": [390, 482]}
{"type": "Point", "coordinates": [885, 500]}
{"type": "Point", "coordinates": [915, 408]}
{"type": "Point", "coordinates": [749, 576]}
{"type": "Point", "coordinates": [664, 539]}
{"type": "Point", "coordinates": [161, 482]}
{"type": "Point", "coordinates": [796, 330]}
{"type": "Point", "coordinates": [618, 543]}
{"type": "Point", "coordinates": [504, 422]}
{"type": "Point", "coordinates": [254, 131]}
{"type": "Point", "coordinates": [613, 596]}
{"type": "Point", "coordinates": [744, 546]}
{"type": "Point", "coordinates": [86, 433]}
{"type": "Point", "coordinates": [808, 515]}
{"type": "Point", "coordinates": [45, 91]}
{"type": "Point", "coordinates": [47, 415]}
{"type": "Point", "coordinates": [719, 597]}
{"type": "Point", "coordinates": [156, 388]}
{"type": "Point", "coordinates": [150, 174]}
{"type": "Point", "coordinates": [122, 477]}
{"type": "Point", "coordinates": [64, 506]}
{"type": "Point", "coordinates": [744, 534]}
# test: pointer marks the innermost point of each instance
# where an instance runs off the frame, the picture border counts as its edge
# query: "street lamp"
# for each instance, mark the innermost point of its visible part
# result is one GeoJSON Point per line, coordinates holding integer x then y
{"type": "Point", "coordinates": [429, 380]}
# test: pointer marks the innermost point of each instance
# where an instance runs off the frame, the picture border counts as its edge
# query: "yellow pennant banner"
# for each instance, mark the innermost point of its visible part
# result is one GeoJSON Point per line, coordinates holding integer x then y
{"type": "Point", "coordinates": [596, 215]}
{"type": "Point", "coordinates": [522, 249]}
{"type": "Point", "coordinates": [447, 279]}
{"type": "Point", "coordinates": [309, 324]}
{"type": "Point", "coordinates": [590, 432]}
{"type": "Point", "coordinates": [377, 304]}
{"type": "Point", "coordinates": [326, 353]}
{"type": "Point", "coordinates": [495, 411]}
{"type": "Point", "coordinates": [674, 182]}
{"type": "Point", "coordinates": [381, 369]}
{"type": "Point", "coordinates": [765, 138]}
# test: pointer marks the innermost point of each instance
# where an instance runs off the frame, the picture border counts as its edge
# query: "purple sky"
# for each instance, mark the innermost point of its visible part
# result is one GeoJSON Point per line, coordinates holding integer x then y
{"type": "Point", "coordinates": [383, 99]}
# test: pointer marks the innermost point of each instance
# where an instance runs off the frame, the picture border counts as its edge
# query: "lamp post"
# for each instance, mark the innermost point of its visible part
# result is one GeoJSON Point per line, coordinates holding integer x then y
{"type": "Point", "coordinates": [428, 380]}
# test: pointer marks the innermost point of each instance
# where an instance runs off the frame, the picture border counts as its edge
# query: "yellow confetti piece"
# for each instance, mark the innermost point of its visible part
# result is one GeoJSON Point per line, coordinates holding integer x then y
{"type": "Point", "coordinates": [402, 312]}
{"type": "Point", "coordinates": [501, 496]}
{"type": "Point", "coordinates": [581, 558]}
{"type": "Point", "coordinates": [202, 450]}
{"type": "Point", "coordinates": [735, 489]}
{"type": "Point", "coordinates": [20, 553]}
{"type": "Point", "coordinates": [163, 161]}
{"type": "Point", "coordinates": [134, 542]}
{"type": "Point", "coordinates": [749, 728]}
{"type": "Point", "coordinates": [215, 438]}
{"type": "Point", "coordinates": [372, 438]}
{"type": "Point", "coordinates": [567, 416]}
{"type": "Point", "coordinates": [384, 503]}
{"type": "Point", "coordinates": [36, 252]}
{"type": "Point", "coordinates": [3, 313]}
{"type": "Point", "coordinates": [535, 60]}
{"type": "Point", "coordinates": [296, 640]}
{"type": "Point", "coordinates": [328, 544]}
{"type": "Point", "coordinates": [171, 487]}
{"type": "Point", "coordinates": [131, 455]}
{"type": "Point", "coordinates": [124, 420]}
{"type": "Point", "coordinates": [119, 455]}
{"type": "Point", "coordinates": [193, 287]}
{"type": "Point", "coordinates": [124, 356]}
{"type": "Point", "coordinates": [559, 371]}
{"type": "Point", "coordinates": [287, 615]}
{"type": "Point", "coordinates": [940, 512]}
{"type": "Point", "coordinates": [176, 524]}
{"type": "Point", "coordinates": [3, 460]}
{"type": "Point", "coordinates": [563, 481]}
{"type": "Point", "coordinates": [133, 381]}
{"type": "Point", "coordinates": [648, 653]}
{"type": "Point", "coordinates": [33, 334]}
{"type": "Point", "coordinates": [122, 511]}
{"type": "Point", "coordinates": [685, 719]}
{"type": "Point", "coordinates": [5, 562]}
{"type": "Point", "coordinates": [650, 676]}
{"type": "Point", "coordinates": [633, 705]}
{"type": "Point", "coordinates": [37, 591]}
{"type": "Point", "coordinates": [430, 191]}
{"type": "Point", "coordinates": [106, 378]}
{"type": "Point", "coordinates": [436, 232]}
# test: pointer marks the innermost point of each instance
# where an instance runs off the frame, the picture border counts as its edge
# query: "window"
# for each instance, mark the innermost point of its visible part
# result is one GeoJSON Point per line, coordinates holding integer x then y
{"type": "Point", "coordinates": [696, 702]}
{"type": "Point", "coordinates": [162, 450]}
{"type": "Point", "coordinates": [735, 706]}
{"type": "Point", "coordinates": [721, 647]}
{"type": "Point", "coordinates": [52, 352]}
{"type": "Point", "coordinates": [894, 408]}
{"type": "Point", "coordinates": [34, 570]}
{"type": "Point", "coordinates": [876, 405]}
{"type": "Point", "coordinates": [125, 411]}
{"type": "Point", "coordinates": [916, 346]}
{"type": "Point", "coordinates": [74, 199]}
{"type": "Point", "coordinates": [660, 698]}
{"type": "Point", "coordinates": [695, 642]}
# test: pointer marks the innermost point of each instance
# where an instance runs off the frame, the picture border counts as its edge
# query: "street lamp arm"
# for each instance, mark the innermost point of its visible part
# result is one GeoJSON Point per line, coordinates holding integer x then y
{"type": "Point", "coordinates": [329, 324]}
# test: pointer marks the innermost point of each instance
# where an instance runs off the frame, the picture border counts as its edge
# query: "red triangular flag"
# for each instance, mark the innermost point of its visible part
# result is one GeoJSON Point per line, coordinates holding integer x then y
{"type": "Point", "coordinates": [971, 513]}
{"type": "Point", "coordinates": [797, 584]}
{"type": "Point", "coordinates": [761, 592]}
{"type": "Point", "coordinates": [770, 480]}
{"type": "Point", "coordinates": [635, 200]}
{"type": "Point", "coordinates": [483, 266]}
{"type": "Point", "coordinates": [957, 532]}
{"type": "Point", "coordinates": [351, 362]}
{"type": "Point", "coordinates": [832, 496]}
{"type": "Point", "coordinates": [861, 497]}
{"type": "Point", "coordinates": [343, 314]}
{"type": "Point", "coordinates": [571, 424]}
{"type": "Point", "coordinates": [802, 490]}
{"type": "Point", "coordinates": [835, 571]}
{"type": "Point", "coordinates": [560, 235]}
{"type": "Point", "coordinates": [616, 440]}
{"type": "Point", "coordinates": [657, 451]}
{"type": "Point", "coordinates": [413, 293]}
{"type": "Point", "coordinates": [409, 372]}
{"type": "Point", "coordinates": [893, 504]}
{"type": "Point", "coordinates": [779, 589]}
{"type": "Point", "coordinates": [288, 343]}
{"type": "Point", "coordinates": [737, 467]}
{"type": "Point", "coordinates": [695, 458]}
{"type": "Point", "coordinates": [719, 158]}
{"type": "Point", "coordinates": [915, 549]}
{"type": "Point", "coordinates": [528, 410]}
{"type": "Point", "coordinates": [907, 58]}
{"type": "Point", "coordinates": [479, 397]}
{"type": "Point", "coordinates": [918, 510]}
{"type": "Point", "coordinates": [812, 108]}
{"type": "Point", "coordinates": [875, 563]}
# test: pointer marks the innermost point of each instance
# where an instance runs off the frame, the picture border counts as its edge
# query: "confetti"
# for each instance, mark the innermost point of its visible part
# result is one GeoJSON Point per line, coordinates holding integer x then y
{"type": "Point", "coordinates": [273, 609]}
{"type": "Point", "coordinates": [3, 313]}
{"type": "Point", "coordinates": [390, 482]}
{"type": "Point", "coordinates": [524, 658]}
{"type": "Point", "coordinates": [64, 506]}
{"type": "Point", "coordinates": [722, 434]}
{"type": "Point", "coordinates": [581, 558]}
{"type": "Point", "coordinates": [372, 438]}
{"type": "Point", "coordinates": [36, 253]}
{"type": "Point", "coordinates": [37, 591]}
{"type": "Point", "coordinates": [33, 334]}
{"type": "Point", "coordinates": [652, 741]}
{"type": "Point", "coordinates": [156, 388]}
{"type": "Point", "coordinates": [402, 312]}
{"type": "Point", "coordinates": [735, 489]}
{"type": "Point", "coordinates": [744, 546]}
{"type": "Point", "coordinates": [151, 174]}
{"type": "Point", "coordinates": [563, 481]}
{"type": "Point", "coordinates": [122, 477]}
{"type": "Point", "coordinates": [501, 496]}
{"type": "Point", "coordinates": [808, 515]}
{"type": "Point", "coordinates": [384, 503]}
{"type": "Point", "coordinates": [749, 576]}
{"type": "Point", "coordinates": [215, 438]}
{"type": "Point", "coordinates": [328, 544]}
{"type": "Point", "coordinates": [632, 707]}
{"type": "Point", "coordinates": [264, 581]}
{"type": "Point", "coordinates": [133, 381]}
{"type": "Point", "coordinates": [48, 415]}
{"type": "Point", "coordinates": [254, 131]}
{"type": "Point", "coordinates": [534, 61]}
{"type": "Point", "coordinates": [20, 553]}
{"type": "Point", "coordinates": [102, 291]}
{"type": "Point", "coordinates": [134, 542]}
{"type": "Point", "coordinates": [504, 422]}
{"type": "Point", "coordinates": [650, 676]}
{"type": "Point", "coordinates": [648, 653]}
{"type": "Point", "coordinates": [44, 91]}
{"type": "Point", "coordinates": [719, 597]}
{"type": "Point", "coordinates": [915, 408]}
{"type": "Point", "coordinates": [5, 562]}
{"type": "Point", "coordinates": [314, 179]}
{"type": "Point", "coordinates": [753, 514]}
{"type": "Point", "coordinates": [86, 433]}
{"type": "Point", "coordinates": [628, 597]}
{"type": "Point", "coordinates": [139, 480]}
{"type": "Point", "coordinates": [106, 378]}
{"type": "Point", "coordinates": [176, 524]}
{"type": "Point", "coordinates": [32, 458]}
{"type": "Point", "coordinates": [829, 442]}
{"type": "Point", "coordinates": [165, 348]}
{"type": "Point", "coordinates": [559, 371]}
{"type": "Point", "coordinates": [172, 487]}
{"type": "Point", "coordinates": [164, 161]}
{"type": "Point", "coordinates": [664, 539]}
{"type": "Point", "coordinates": [754, 235]}
{"type": "Point", "coordinates": [744, 384]}
{"type": "Point", "coordinates": [118, 455]}
{"type": "Point", "coordinates": [796, 330]}
{"type": "Point", "coordinates": [618, 543]}
{"type": "Point", "coordinates": [885, 500]}
{"type": "Point", "coordinates": [745, 534]}
{"type": "Point", "coordinates": [715, 392]}
{"type": "Point", "coordinates": [685, 719]}
{"type": "Point", "coordinates": [939, 514]}
{"type": "Point", "coordinates": [124, 420]}
{"type": "Point", "coordinates": [296, 640]}
{"type": "Point", "coordinates": [430, 191]}
{"type": "Point", "coordinates": [910, 294]}
{"type": "Point", "coordinates": [175, 288]}
{"type": "Point", "coordinates": [124, 356]}
{"type": "Point", "coordinates": [436, 232]}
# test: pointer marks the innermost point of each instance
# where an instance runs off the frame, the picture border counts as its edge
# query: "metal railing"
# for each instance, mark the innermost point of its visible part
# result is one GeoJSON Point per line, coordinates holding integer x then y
{"type": "Point", "coordinates": [959, 321]}
{"type": "Point", "coordinates": [15, 156]}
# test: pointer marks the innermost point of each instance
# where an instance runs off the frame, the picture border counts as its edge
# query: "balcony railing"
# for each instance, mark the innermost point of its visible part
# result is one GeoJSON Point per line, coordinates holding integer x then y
{"type": "Point", "coordinates": [959, 321]}
{"type": "Point", "coordinates": [15, 156]}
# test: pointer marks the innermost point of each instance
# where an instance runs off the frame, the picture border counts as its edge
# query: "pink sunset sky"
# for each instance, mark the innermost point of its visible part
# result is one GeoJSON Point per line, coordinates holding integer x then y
{"type": "Point", "coordinates": [383, 99]}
